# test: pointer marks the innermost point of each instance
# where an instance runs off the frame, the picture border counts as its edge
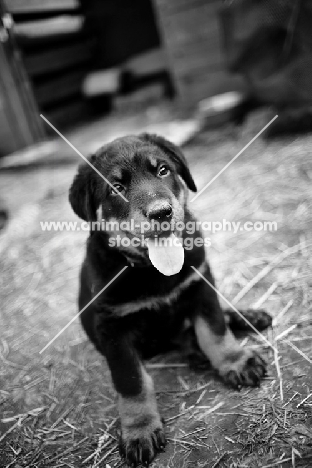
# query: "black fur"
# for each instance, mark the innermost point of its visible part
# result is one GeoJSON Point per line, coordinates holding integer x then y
{"type": "Point", "coordinates": [126, 340]}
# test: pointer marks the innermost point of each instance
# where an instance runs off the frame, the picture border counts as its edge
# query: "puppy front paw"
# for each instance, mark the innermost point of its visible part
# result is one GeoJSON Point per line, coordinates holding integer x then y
{"type": "Point", "coordinates": [243, 368]}
{"type": "Point", "coordinates": [262, 320]}
{"type": "Point", "coordinates": [140, 442]}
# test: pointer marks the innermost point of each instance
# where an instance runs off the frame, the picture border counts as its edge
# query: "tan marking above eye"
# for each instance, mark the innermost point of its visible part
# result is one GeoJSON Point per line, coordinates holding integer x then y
{"type": "Point", "coordinates": [153, 161]}
{"type": "Point", "coordinates": [116, 173]}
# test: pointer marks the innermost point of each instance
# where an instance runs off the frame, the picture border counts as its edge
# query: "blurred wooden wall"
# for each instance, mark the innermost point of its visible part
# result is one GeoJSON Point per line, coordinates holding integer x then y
{"type": "Point", "coordinates": [20, 124]}
{"type": "Point", "coordinates": [192, 38]}
{"type": "Point", "coordinates": [56, 53]}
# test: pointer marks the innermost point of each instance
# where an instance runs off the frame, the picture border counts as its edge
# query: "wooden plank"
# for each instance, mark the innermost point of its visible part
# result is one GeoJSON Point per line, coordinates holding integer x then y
{"type": "Point", "coordinates": [203, 87]}
{"type": "Point", "coordinates": [36, 6]}
{"type": "Point", "coordinates": [197, 69]}
{"type": "Point", "coordinates": [208, 84]}
{"type": "Point", "coordinates": [42, 28]}
{"type": "Point", "coordinates": [183, 34]}
{"type": "Point", "coordinates": [9, 141]}
{"type": "Point", "coordinates": [209, 52]}
{"type": "Point", "coordinates": [203, 17]}
{"type": "Point", "coordinates": [175, 6]}
{"type": "Point", "coordinates": [191, 35]}
{"type": "Point", "coordinates": [21, 113]}
{"type": "Point", "coordinates": [58, 58]}
{"type": "Point", "coordinates": [194, 64]}
{"type": "Point", "coordinates": [190, 80]}
{"type": "Point", "coordinates": [59, 88]}
{"type": "Point", "coordinates": [152, 61]}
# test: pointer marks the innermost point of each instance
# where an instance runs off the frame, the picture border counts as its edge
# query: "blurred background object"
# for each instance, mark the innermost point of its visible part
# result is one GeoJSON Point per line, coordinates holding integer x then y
{"type": "Point", "coordinates": [269, 42]}
{"type": "Point", "coordinates": [190, 32]}
{"type": "Point", "coordinates": [76, 60]}
{"type": "Point", "coordinates": [57, 53]}
{"type": "Point", "coordinates": [83, 59]}
{"type": "Point", "coordinates": [19, 119]}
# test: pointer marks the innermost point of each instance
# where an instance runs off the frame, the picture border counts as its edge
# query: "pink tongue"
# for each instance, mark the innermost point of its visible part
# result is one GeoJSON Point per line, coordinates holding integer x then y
{"type": "Point", "coordinates": [166, 254]}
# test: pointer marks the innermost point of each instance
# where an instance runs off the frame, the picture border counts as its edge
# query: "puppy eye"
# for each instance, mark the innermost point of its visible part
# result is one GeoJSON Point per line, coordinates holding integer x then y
{"type": "Point", "coordinates": [163, 171]}
{"type": "Point", "coordinates": [119, 189]}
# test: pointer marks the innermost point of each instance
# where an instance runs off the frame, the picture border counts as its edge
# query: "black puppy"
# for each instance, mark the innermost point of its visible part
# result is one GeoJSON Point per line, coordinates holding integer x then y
{"type": "Point", "coordinates": [143, 311]}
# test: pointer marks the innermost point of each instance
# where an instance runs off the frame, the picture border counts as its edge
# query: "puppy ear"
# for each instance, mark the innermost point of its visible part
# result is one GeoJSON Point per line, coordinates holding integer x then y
{"type": "Point", "coordinates": [176, 155]}
{"type": "Point", "coordinates": [81, 193]}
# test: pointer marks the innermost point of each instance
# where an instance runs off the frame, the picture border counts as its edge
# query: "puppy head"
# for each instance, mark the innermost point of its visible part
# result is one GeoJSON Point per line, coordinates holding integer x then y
{"type": "Point", "coordinates": [147, 170]}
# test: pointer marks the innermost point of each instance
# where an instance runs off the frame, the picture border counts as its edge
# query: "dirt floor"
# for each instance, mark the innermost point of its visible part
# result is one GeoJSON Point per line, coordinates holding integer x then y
{"type": "Point", "coordinates": [57, 409]}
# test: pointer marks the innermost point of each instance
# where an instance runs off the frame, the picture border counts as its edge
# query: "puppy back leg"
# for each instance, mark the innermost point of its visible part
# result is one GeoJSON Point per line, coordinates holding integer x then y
{"type": "Point", "coordinates": [236, 365]}
{"type": "Point", "coordinates": [260, 319]}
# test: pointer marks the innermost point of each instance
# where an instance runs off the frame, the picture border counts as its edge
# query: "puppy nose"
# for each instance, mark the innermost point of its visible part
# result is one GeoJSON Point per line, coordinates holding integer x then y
{"type": "Point", "coordinates": [159, 211]}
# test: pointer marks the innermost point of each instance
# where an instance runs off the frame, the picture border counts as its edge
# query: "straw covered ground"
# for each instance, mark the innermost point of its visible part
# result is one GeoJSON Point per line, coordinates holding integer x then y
{"type": "Point", "coordinates": [57, 409]}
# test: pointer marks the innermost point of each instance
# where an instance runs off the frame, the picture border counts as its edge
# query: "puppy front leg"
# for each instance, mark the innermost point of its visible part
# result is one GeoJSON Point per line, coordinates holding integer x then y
{"type": "Point", "coordinates": [236, 365]}
{"type": "Point", "coordinates": [142, 433]}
